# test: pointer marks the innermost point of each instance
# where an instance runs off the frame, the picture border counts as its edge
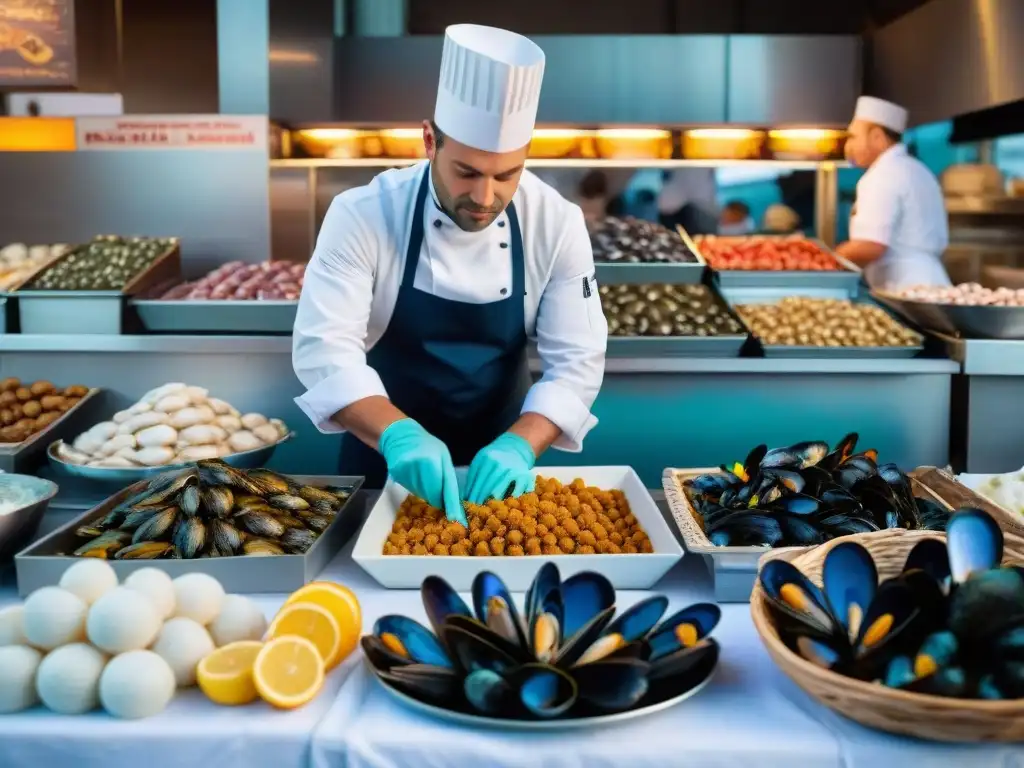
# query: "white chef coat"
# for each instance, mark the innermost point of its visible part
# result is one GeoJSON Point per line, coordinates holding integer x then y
{"type": "Point", "coordinates": [900, 205]}
{"type": "Point", "coordinates": [352, 282]}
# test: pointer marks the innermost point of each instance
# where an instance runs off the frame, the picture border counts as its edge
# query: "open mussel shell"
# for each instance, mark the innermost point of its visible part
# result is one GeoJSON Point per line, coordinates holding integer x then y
{"type": "Point", "coordinates": [794, 597]}
{"type": "Point", "coordinates": [584, 596]}
{"type": "Point", "coordinates": [546, 581]}
{"type": "Point", "coordinates": [410, 639]}
{"type": "Point", "coordinates": [588, 643]}
{"type": "Point", "coordinates": [683, 669]}
{"type": "Point", "coordinates": [546, 618]}
{"type": "Point", "coordinates": [974, 542]}
{"type": "Point", "coordinates": [488, 692]}
{"type": "Point", "coordinates": [988, 603]}
{"type": "Point", "coordinates": [473, 651]}
{"type": "Point", "coordinates": [889, 622]}
{"type": "Point", "coordinates": [441, 601]}
{"type": "Point", "coordinates": [612, 685]}
{"type": "Point", "coordinates": [639, 619]}
{"type": "Point", "coordinates": [380, 655]}
{"type": "Point", "coordinates": [521, 653]}
{"type": "Point", "coordinates": [745, 529]}
{"type": "Point", "coordinates": [544, 691]}
{"type": "Point", "coordinates": [435, 685]}
{"type": "Point", "coordinates": [850, 580]}
{"type": "Point", "coordinates": [496, 609]}
{"type": "Point", "coordinates": [795, 456]}
{"type": "Point", "coordinates": [932, 557]}
{"type": "Point", "coordinates": [683, 629]}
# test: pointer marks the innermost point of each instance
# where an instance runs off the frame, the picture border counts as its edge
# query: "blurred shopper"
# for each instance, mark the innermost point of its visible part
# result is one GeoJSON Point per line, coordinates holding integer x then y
{"type": "Point", "coordinates": [736, 219]}
{"type": "Point", "coordinates": [593, 196]}
{"type": "Point", "coordinates": [688, 197]}
{"type": "Point", "coordinates": [898, 226]}
{"type": "Point", "coordinates": [780, 219]}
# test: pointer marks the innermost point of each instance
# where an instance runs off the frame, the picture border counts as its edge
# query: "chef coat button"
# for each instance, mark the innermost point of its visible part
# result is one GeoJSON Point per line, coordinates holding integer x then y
{"type": "Point", "coordinates": [501, 223]}
{"type": "Point", "coordinates": [504, 291]}
{"type": "Point", "coordinates": [437, 223]}
{"type": "Point", "coordinates": [504, 245]}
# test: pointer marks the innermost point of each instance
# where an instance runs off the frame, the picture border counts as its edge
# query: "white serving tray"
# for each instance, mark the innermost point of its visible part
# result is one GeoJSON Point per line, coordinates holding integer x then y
{"type": "Point", "coordinates": [975, 483]}
{"type": "Point", "coordinates": [639, 571]}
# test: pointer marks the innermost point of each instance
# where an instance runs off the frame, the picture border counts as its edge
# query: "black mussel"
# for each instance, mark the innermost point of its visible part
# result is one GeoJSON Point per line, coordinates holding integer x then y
{"type": "Point", "coordinates": [849, 475]}
{"type": "Point", "coordinates": [678, 669]}
{"type": "Point", "coordinates": [380, 656]}
{"type": "Point", "coordinates": [585, 595]}
{"type": "Point", "coordinates": [816, 480]}
{"type": "Point", "coordinates": [632, 625]}
{"type": "Point", "coordinates": [488, 692]}
{"type": "Point", "coordinates": [495, 608]}
{"type": "Point", "coordinates": [766, 491]}
{"type": "Point", "coordinates": [714, 513]}
{"type": "Point", "coordinates": [903, 493]}
{"type": "Point", "coordinates": [842, 451]}
{"type": "Point", "coordinates": [683, 629]}
{"type": "Point", "coordinates": [931, 515]}
{"type": "Point", "coordinates": [544, 691]}
{"type": "Point", "coordinates": [799, 531]}
{"type": "Point", "coordinates": [587, 643]}
{"type": "Point", "coordinates": [545, 630]}
{"type": "Point", "coordinates": [845, 525]}
{"type": "Point", "coordinates": [547, 580]}
{"type": "Point", "coordinates": [793, 595]}
{"type": "Point", "coordinates": [441, 601]}
{"type": "Point", "coordinates": [796, 456]}
{"type": "Point", "coordinates": [797, 504]}
{"type": "Point", "coordinates": [612, 685]}
{"type": "Point", "coordinates": [411, 640]}
{"type": "Point", "coordinates": [892, 611]}
{"type": "Point", "coordinates": [1010, 644]}
{"type": "Point", "coordinates": [951, 682]}
{"type": "Point", "coordinates": [931, 557]}
{"type": "Point", "coordinates": [728, 497]}
{"type": "Point", "coordinates": [712, 483]}
{"type": "Point", "coordinates": [743, 495]}
{"type": "Point", "coordinates": [188, 499]}
{"type": "Point", "coordinates": [731, 477]}
{"type": "Point", "coordinates": [472, 651]}
{"type": "Point", "coordinates": [850, 581]}
{"type": "Point", "coordinates": [867, 461]}
{"type": "Point", "coordinates": [929, 594]}
{"type": "Point", "coordinates": [1006, 681]}
{"type": "Point", "coordinates": [746, 529]}
{"type": "Point", "coordinates": [974, 542]}
{"type": "Point", "coordinates": [789, 479]}
{"type": "Point", "coordinates": [837, 496]}
{"type": "Point", "coordinates": [520, 653]}
{"type": "Point", "coordinates": [754, 459]}
{"type": "Point", "coordinates": [436, 685]}
{"type": "Point", "coordinates": [986, 603]}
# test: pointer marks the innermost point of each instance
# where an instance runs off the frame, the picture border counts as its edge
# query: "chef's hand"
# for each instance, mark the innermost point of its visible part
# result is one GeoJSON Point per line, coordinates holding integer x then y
{"type": "Point", "coordinates": [421, 463]}
{"type": "Point", "coordinates": [508, 461]}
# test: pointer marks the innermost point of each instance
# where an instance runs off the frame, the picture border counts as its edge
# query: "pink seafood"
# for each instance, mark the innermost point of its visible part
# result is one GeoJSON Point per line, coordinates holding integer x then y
{"type": "Point", "coordinates": [965, 294]}
{"type": "Point", "coordinates": [238, 281]}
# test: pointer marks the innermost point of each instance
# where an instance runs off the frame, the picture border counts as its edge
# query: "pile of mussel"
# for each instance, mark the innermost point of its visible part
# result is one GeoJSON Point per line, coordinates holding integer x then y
{"type": "Point", "coordinates": [950, 624]}
{"type": "Point", "coordinates": [807, 494]}
{"type": "Point", "coordinates": [211, 509]}
{"type": "Point", "coordinates": [637, 241]}
{"type": "Point", "coordinates": [569, 657]}
{"type": "Point", "coordinates": [667, 310]}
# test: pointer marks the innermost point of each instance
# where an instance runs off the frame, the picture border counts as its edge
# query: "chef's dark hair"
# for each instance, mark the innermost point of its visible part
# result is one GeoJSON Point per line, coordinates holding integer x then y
{"type": "Point", "coordinates": [894, 136]}
{"type": "Point", "coordinates": [438, 135]}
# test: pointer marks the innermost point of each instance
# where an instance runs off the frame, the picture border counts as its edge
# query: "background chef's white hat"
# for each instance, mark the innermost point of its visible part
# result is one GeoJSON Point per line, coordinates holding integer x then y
{"type": "Point", "coordinates": [489, 88]}
{"type": "Point", "coordinates": [881, 112]}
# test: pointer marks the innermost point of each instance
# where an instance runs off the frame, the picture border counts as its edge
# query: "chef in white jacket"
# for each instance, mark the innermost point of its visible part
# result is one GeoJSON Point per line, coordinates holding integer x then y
{"type": "Point", "coordinates": [898, 227]}
{"type": "Point", "coordinates": [411, 333]}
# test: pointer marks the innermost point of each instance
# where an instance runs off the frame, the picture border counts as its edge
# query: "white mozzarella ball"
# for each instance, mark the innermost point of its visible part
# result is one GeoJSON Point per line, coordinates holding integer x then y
{"type": "Point", "coordinates": [89, 578]}
{"type": "Point", "coordinates": [68, 680]}
{"type": "Point", "coordinates": [136, 684]}
{"type": "Point", "coordinates": [122, 620]}
{"type": "Point", "coordinates": [53, 617]}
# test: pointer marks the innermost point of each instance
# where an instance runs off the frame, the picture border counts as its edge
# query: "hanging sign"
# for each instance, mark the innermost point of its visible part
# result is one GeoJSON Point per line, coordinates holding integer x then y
{"type": "Point", "coordinates": [220, 132]}
{"type": "Point", "coordinates": [37, 43]}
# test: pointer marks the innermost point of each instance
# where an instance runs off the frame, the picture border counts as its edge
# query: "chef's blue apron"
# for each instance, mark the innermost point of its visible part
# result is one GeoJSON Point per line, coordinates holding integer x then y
{"type": "Point", "coordinates": [459, 369]}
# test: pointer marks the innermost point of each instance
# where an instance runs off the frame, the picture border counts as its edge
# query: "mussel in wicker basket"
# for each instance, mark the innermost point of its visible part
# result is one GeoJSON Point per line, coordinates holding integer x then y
{"type": "Point", "coordinates": [950, 624]}
{"type": "Point", "coordinates": [567, 656]}
{"type": "Point", "coordinates": [806, 494]}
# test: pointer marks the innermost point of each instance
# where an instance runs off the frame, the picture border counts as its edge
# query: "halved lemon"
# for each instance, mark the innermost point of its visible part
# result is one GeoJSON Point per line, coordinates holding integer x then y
{"type": "Point", "coordinates": [288, 672]}
{"type": "Point", "coordinates": [342, 604]}
{"type": "Point", "coordinates": [225, 676]}
{"type": "Point", "coordinates": [313, 622]}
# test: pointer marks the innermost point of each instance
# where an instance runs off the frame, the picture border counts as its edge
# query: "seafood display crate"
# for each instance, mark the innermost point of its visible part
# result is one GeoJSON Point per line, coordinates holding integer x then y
{"type": "Point", "coordinates": [765, 295]}
{"type": "Point", "coordinates": [846, 279]}
{"type": "Point", "coordinates": [683, 273]}
{"type": "Point", "coordinates": [26, 456]}
{"type": "Point", "coordinates": [971, 322]}
{"type": "Point", "coordinates": [675, 346]}
{"type": "Point", "coordinates": [733, 569]}
{"type": "Point", "coordinates": [625, 571]}
{"type": "Point", "coordinates": [40, 566]}
{"type": "Point", "coordinates": [211, 316]}
{"type": "Point", "coordinates": [91, 312]}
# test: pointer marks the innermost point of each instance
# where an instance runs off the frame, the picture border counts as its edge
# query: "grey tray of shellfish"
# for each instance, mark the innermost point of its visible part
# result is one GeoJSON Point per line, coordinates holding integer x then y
{"type": "Point", "coordinates": [254, 531]}
{"type": "Point", "coordinates": [630, 250]}
{"type": "Point", "coordinates": [821, 323]}
{"type": "Point", "coordinates": [670, 320]}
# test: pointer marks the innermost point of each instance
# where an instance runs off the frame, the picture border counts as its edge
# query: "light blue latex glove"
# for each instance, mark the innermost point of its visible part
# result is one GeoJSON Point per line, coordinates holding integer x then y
{"type": "Point", "coordinates": [508, 461]}
{"type": "Point", "coordinates": [421, 463]}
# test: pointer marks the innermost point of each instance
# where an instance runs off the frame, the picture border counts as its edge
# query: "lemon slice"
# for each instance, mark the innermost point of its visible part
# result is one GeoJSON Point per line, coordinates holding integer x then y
{"type": "Point", "coordinates": [288, 672]}
{"type": "Point", "coordinates": [312, 622]}
{"type": "Point", "coordinates": [225, 676]}
{"type": "Point", "coordinates": [342, 604]}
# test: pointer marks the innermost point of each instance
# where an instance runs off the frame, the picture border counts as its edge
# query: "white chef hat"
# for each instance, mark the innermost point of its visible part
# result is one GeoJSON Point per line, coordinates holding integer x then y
{"type": "Point", "coordinates": [489, 87]}
{"type": "Point", "coordinates": [881, 112]}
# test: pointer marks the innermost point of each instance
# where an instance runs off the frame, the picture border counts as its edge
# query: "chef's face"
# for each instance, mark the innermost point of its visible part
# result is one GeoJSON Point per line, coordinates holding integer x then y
{"type": "Point", "coordinates": [864, 143]}
{"type": "Point", "coordinates": [472, 186]}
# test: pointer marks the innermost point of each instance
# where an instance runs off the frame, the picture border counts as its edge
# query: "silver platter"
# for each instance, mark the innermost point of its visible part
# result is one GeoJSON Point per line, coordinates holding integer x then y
{"type": "Point", "coordinates": [246, 460]}
{"type": "Point", "coordinates": [571, 724]}
{"type": "Point", "coordinates": [958, 320]}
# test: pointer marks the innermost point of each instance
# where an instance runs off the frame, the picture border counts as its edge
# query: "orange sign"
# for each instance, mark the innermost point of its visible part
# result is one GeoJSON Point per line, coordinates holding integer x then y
{"type": "Point", "coordinates": [242, 132]}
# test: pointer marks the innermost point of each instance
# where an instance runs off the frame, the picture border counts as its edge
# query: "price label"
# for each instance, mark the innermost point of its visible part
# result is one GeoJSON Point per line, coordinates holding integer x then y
{"type": "Point", "coordinates": [141, 132]}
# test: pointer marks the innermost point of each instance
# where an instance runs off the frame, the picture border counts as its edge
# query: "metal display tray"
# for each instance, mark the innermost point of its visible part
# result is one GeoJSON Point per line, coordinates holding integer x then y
{"type": "Point", "coordinates": [180, 316]}
{"type": "Point", "coordinates": [26, 456]}
{"type": "Point", "coordinates": [40, 566]}
{"type": "Point", "coordinates": [763, 295]}
{"type": "Point", "coordinates": [91, 312]}
{"type": "Point", "coordinates": [847, 279]}
{"type": "Point", "coordinates": [1005, 323]}
{"type": "Point", "coordinates": [615, 273]}
{"type": "Point", "coordinates": [675, 346]}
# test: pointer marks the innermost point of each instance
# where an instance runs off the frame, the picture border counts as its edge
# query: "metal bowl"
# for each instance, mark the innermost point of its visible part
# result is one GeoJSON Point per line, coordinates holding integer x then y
{"type": "Point", "coordinates": [970, 322]}
{"type": "Point", "coordinates": [125, 476]}
{"type": "Point", "coordinates": [19, 526]}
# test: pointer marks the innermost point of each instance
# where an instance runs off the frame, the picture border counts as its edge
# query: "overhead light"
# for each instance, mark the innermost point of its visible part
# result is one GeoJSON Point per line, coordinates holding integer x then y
{"type": "Point", "coordinates": [735, 134]}
{"type": "Point", "coordinates": [331, 134]}
{"type": "Point", "coordinates": [285, 56]}
{"type": "Point", "coordinates": [809, 134]}
{"type": "Point", "coordinates": [634, 133]}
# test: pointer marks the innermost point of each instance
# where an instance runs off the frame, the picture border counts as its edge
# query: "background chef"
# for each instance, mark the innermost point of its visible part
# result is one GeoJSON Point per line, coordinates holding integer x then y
{"type": "Point", "coordinates": [898, 227]}
{"type": "Point", "coordinates": [412, 327]}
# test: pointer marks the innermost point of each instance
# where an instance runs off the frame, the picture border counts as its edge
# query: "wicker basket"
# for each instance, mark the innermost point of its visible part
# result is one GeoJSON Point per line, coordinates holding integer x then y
{"type": "Point", "coordinates": [871, 704]}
